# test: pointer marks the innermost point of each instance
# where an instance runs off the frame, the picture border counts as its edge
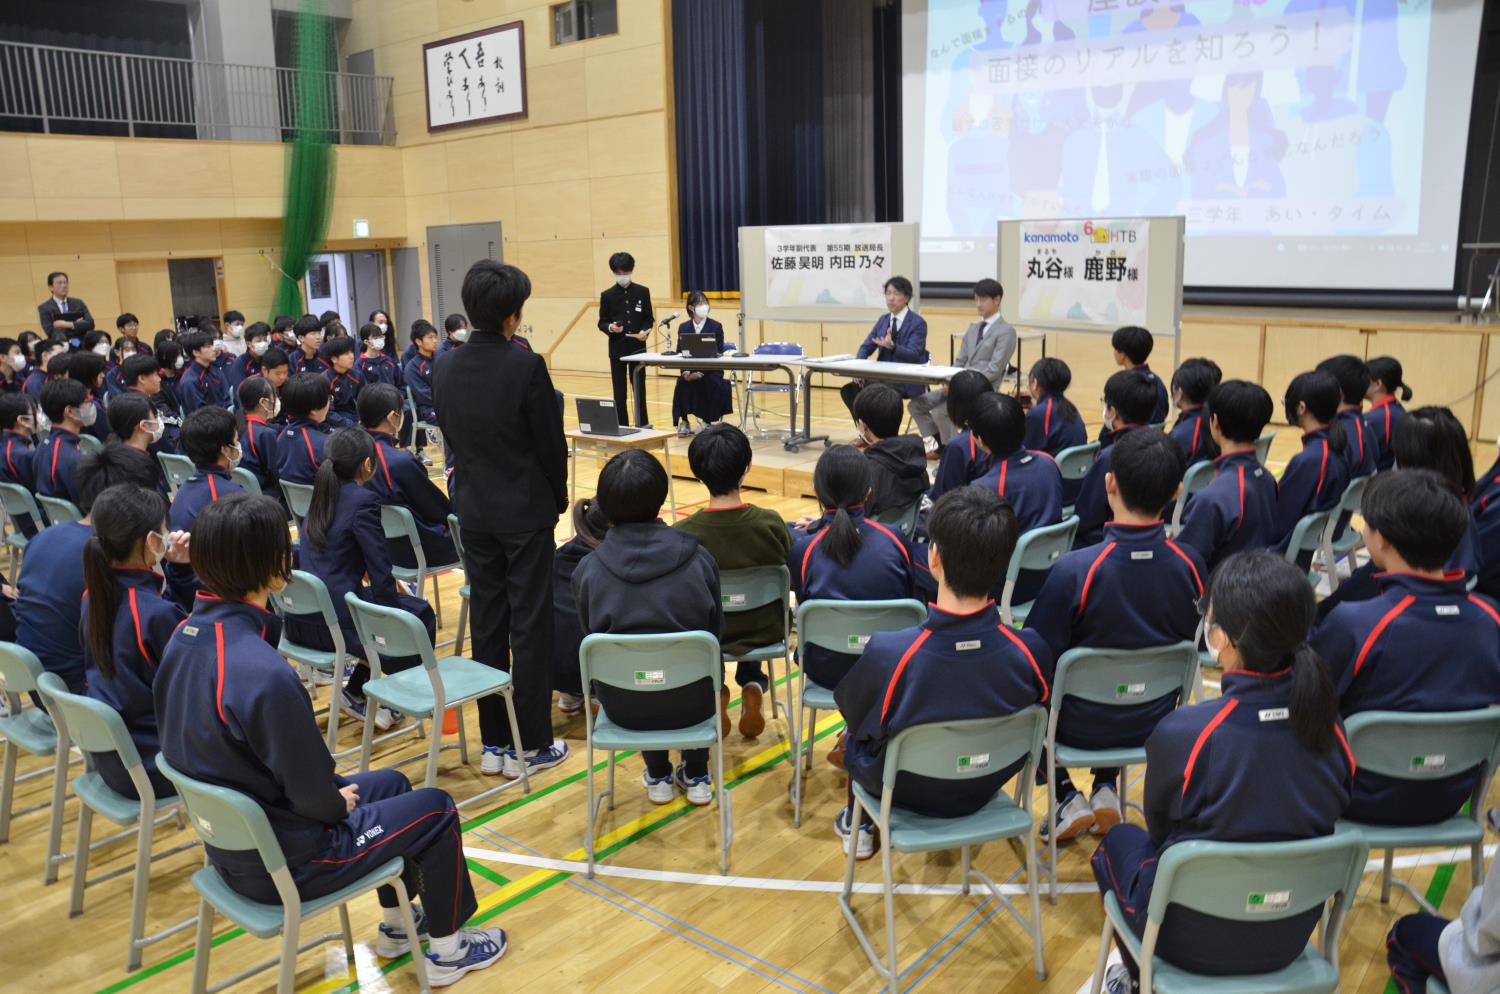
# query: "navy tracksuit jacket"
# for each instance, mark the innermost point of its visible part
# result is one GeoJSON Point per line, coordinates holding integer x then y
{"type": "Point", "coordinates": [1381, 420]}
{"type": "Point", "coordinates": [1363, 450]}
{"type": "Point", "coordinates": [345, 387]}
{"type": "Point", "coordinates": [57, 464]}
{"type": "Point", "coordinates": [418, 377]}
{"type": "Point", "coordinates": [50, 593]}
{"type": "Point", "coordinates": [258, 454]}
{"type": "Point", "coordinates": [1032, 484]}
{"type": "Point", "coordinates": [881, 570]}
{"type": "Point", "coordinates": [299, 450]}
{"type": "Point", "coordinates": [240, 369]}
{"type": "Point", "coordinates": [1136, 590]}
{"type": "Point", "coordinates": [1235, 512]}
{"type": "Point", "coordinates": [950, 668]}
{"type": "Point", "coordinates": [962, 462]}
{"type": "Point", "coordinates": [197, 492]}
{"type": "Point", "coordinates": [401, 480]}
{"type": "Point", "coordinates": [1191, 432]}
{"type": "Point", "coordinates": [1159, 411]}
{"type": "Point", "coordinates": [381, 369]}
{"type": "Point", "coordinates": [19, 467]}
{"type": "Point", "coordinates": [1314, 480]}
{"type": "Point", "coordinates": [1485, 508]}
{"type": "Point", "coordinates": [202, 386]}
{"type": "Point", "coordinates": [1421, 645]}
{"type": "Point", "coordinates": [1092, 506]}
{"type": "Point", "coordinates": [301, 362]}
{"type": "Point", "coordinates": [1048, 433]}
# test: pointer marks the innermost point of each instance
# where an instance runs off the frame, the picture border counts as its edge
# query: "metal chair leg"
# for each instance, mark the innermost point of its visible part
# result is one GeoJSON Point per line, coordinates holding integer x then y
{"type": "Point", "coordinates": [7, 788]}
{"type": "Point", "coordinates": [368, 740]}
{"type": "Point", "coordinates": [290, 933]}
{"type": "Point", "coordinates": [463, 623]}
{"type": "Point", "coordinates": [81, 859]}
{"type": "Point", "coordinates": [1102, 961]}
{"type": "Point", "coordinates": [434, 744]}
{"type": "Point", "coordinates": [141, 886]}
{"type": "Point", "coordinates": [418, 961]}
{"type": "Point", "coordinates": [349, 935]}
{"type": "Point", "coordinates": [202, 945]}
{"type": "Point", "coordinates": [508, 695]}
{"type": "Point", "coordinates": [54, 826]}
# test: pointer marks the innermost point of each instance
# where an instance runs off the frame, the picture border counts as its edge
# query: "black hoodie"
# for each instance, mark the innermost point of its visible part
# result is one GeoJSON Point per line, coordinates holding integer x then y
{"type": "Point", "coordinates": [898, 473]}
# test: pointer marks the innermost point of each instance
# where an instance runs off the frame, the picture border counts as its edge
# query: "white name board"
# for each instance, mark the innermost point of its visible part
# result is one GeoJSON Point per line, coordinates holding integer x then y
{"type": "Point", "coordinates": [1084, 270]}
{"type": "Point", "coordinates": [479, 77]}
{"type": "Point", "coordinates": [828, 265]}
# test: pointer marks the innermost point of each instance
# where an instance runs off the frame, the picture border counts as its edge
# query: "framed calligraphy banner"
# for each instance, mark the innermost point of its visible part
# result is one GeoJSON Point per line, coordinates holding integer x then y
{"type": "Point", "coordinates": [476, 78]}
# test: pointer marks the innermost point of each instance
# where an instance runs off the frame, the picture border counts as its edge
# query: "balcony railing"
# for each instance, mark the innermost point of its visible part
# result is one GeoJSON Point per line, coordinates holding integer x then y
{"type": "Point", "coordinates": [76, 91]}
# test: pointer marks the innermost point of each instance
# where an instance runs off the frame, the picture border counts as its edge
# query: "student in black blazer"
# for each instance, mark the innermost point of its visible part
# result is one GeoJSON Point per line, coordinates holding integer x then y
{"type": "Point", "coordinates": [701, 393]}
{"type": "Point", "coordinates": [625, 315]}
{"type": "Point", "coordinates": [501, 420]}
{"type": "Point", "coordinates": [62, 314]}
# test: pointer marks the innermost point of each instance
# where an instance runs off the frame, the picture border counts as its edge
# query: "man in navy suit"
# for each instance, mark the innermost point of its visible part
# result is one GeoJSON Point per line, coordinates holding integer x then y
{"type": "Point", "coordinates": [899, 336]}
{"type": "Point", "coordinates": [61, 314]}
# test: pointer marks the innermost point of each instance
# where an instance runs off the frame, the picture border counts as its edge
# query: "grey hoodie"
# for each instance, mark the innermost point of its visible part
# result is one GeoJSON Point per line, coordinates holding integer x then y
{"type": "Point", "coordinates": [648, 579]}
{"type": "Point", "coordinates": [1470, 946]}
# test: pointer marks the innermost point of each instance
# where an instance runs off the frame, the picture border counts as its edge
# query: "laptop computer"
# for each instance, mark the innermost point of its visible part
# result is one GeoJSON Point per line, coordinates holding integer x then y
{"type": "Point", "coordinates": [698, 345]}
{"type": "Point", "coordinates": [599, 417]}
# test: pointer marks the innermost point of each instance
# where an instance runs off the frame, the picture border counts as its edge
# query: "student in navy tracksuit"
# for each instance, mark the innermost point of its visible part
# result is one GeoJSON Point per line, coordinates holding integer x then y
{"type": "Point", "coordinates": [1129, 397]}
{"type": "Point", "coordinates": [401, 480]}
{"type": "Point", "coordinates": [128, 619]}
{"type": "Point", "coordinates": [417, 374]}
{"type": "Point", "coordinates": [231, 712]}
{"type": "Point", "coordinates": [589, 528]}
{"type": "Point", "coordinates": [299, 446]}
{"type": "Point", "coordinates": [1422, 644]}
{"type": "Point", "coordinates": [1136, 590]}
{"type": "Point", "coordinates": [374, 365]}
{"type": "Point", "coordinates": [1236, 511]}
{"type": "Point", "coordinates": [247, 364]}
{"type": "Point", "coordinates": [1133, 347]}
{"type": "Point", "coordinates": [66, 404]}
{"type": "Point", "coordinates": [1030, 481]}
{"type": "Point", "coordinates": [210, 439]}
{"type": "Point", "coordinates": [1354, 382]}
{"type": "Point", "coordinates": [456, 332]}
{"type": "Point", "coordinates": [1386, 393]}
{"type": "Point", "coordinates": [1194, 380]}
{"type": "Point", "coordinates": [1485, 508]}
{"type": "Point", "coordinates": [344, 383]}
{"type": "Point", "coordinates": [962, 662]}
{"type": "Point", "coordinates": [45, 351]}
{"type": "Point", "coordinates": [18, 466]}
{"type": "Point", "coordinates": [962, 460]}
{"type": "Point", "coordinates": [309, 333]}
{"type": "Point", "coordinates": [343, 545]}
{"type": "Point", "coordinates": [133, 421]}
{"type": "Point", "coordinates": [258, 406]}
{"type": "Point", "coordinates": [1316, 477]}
{"type": "Point", "coordinates": [88, 368]}
{"type": "Point", "coordinates": [202, 384]}
{"type": "Point", "coordinates": [1266, 762]}
{"type": "Point", "coordinates": [1053, 423]}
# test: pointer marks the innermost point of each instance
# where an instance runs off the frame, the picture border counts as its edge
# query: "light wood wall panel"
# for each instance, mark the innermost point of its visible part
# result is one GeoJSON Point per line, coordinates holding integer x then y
{"type": "Point", "coordinates": [1235, 347]}
{"type": "Point", "coordinates": [1293, 349]}
{"type": "Point", "coordinates": [1441, 369]}
{"type": "Point", "coordinates": [146, 291]}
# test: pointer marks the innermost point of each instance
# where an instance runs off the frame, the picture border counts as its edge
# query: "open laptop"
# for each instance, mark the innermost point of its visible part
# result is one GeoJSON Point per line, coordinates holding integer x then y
{"type": "Point", "coordinates": [598, 417]}
{"type": "Point", "coordinates": [698, 345]}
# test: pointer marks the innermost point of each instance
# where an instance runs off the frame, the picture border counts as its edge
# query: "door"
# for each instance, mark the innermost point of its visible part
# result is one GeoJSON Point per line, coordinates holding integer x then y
{"type": "Point", "coordinates": [406, 271]}
{"type": "Point", "coordinates": [195, 291]}
{"type": "Point", "coordinates": [451, 250]}
{"type": "Point", "coordinates": [367, 287]}
{"type": "Point", "coordinates": [328, 285]}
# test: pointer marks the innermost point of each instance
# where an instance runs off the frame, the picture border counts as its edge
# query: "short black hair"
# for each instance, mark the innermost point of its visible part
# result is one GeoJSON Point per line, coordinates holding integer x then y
{"type": "Point", "coordinates": [1319, 390]}
{"type": "Point", "coordinates": [455, 321]}
{"type": "Point", "coordinates": [306, 325]}
{"type": "Point", "coordinates": [632, 488]}
{"type": "Point", "coordinates": [272, 358]}
{"type": "Point", "coordinates": [55, 275]}
{"type": "Point", "coordinates": [205, 432]}
{"type": "Point", "coordinates": [1000, 423]}
{"type": "Point", "coordinates": [622, 262]}
{"type": "Point", "coordinates": [232, 316]}
{"type": "Point", "coordinates": [251, 391]}
{"type": "Point", "coordinates": [304, 393]}
{"type": "Point", "coordinates": [240, 544]}
{"type": "Point", "coordinates": [329, 317]}
{"type": "Point", "coordinates": [421, 328]}
{"type": "Point", "coordinates": [1132, 394]}
{"type": "Point", "coordinates": [193, 341]}
{"type": "Point", "coordinates": [1136, 342]}
{"type": "Point", "coordinates": [1148, 466]}
{"type": "Point", "coordinates": [369, 331]}
{"type": "Point", "coordinates": [1196, 378]}
{"type": "Point", "coordinates": [282, 323]}
{"type": "Point", "coordinates": [1351, 372]}
{"type": "Point", "coordinates": [493, 292]}
{"type": "Point", "coordinates": [1242, 409]}
{"type": "Point", "coordinates": [975, 532]}
{"type": "Point", "coordinates": [880, 408]}
{"type": "Point", "coordinates": [719, 456]}
{"type": "Point", "coordinates": [126, 318]}
{"type": "Point", "coordinates": [1417, 512]}
{"type": "Point", "coordinates": [988, 287]}
{"type": "Point", "coordinates": [900, 284]}
{"type": "Point", "coordinates": [966, 387]}
{"type": "Point", "coordinates": [334, 347]}
{"type": "Point", "coordinates": [60, 394]}
{"type": "Point", "coordinates": [115, 463]}
{"type": "Point", "coordinates": [257, 330]}
{"type": "Point", "coordinates": [1433, 438]}
{"type": "Point", "coordinates": [138, 365]}
{"type": "Point", "coordinates": [376, 403]}
{"type": "Point", "coordinates": [127, 411]}
{"type": "Point", "coordinates": [167, 354]}
{"type": "Point", "coordinates": [12, 407]}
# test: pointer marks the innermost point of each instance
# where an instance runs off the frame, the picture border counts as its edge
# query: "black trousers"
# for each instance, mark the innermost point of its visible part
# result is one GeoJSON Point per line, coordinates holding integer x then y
{"type": "Point", "coordinates": [510, 609]}
{"type": "Point", "coordinates": [619, 372]}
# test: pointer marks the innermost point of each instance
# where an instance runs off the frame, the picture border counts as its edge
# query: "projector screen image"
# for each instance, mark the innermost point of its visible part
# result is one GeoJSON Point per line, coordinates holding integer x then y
{"type": "Point", "coordinates": [1308, 143]}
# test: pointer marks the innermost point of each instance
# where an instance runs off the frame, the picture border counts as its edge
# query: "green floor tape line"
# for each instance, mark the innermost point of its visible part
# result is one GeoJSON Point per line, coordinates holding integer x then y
{"type": "Point", "coordinates": [479, 869]}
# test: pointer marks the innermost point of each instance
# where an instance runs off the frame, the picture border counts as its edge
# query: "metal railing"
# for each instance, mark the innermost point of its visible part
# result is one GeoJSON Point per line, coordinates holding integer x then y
{"type": "Point", "coordinates": [76, 91]}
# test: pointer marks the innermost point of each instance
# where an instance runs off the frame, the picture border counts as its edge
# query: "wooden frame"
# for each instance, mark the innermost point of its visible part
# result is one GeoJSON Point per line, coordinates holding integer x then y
{"type": "Point", "coordinates": [519, 28]}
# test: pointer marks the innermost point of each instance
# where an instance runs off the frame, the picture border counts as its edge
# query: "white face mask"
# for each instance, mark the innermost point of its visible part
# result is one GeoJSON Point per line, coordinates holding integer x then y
{"type": "Point", "coordinates": [178, 363]}
{"type": "Point", "coordinates": [234, 456]}
{"type": "Point", "coordinates": [259, 346]}
{"type": "Point", "coordinates": [377, 344]}
{"type": "Point", "coordinates": [623, 279]}
{"type": "Point", "coordinates": [1109, 422]}
{"type": "Point", "coordinates": [381, 325]}
{"type": "Point", "coordinates": [154, 429]}
{"type": "Point", "coordinates": [461, 335]}
{"type": "Point", "coordinates": [1213, 650]}
{"type": "Point", "coordinates": [43, 423]}
{"type": "Point", "coordinates": [157, 557]}
{"type": "Point", "coordinates": [102, 349]}
{"type": "Point", "coordinates": [275, 407]}
{"type": "Point", "coordinates": [126, 354]}
{"type": "Point", "coordinates": [18, 362]}
{"type": "Point", "coordinates": [700, 312]}
{"type": "Point", "coordinates": [87, 415]}
{"type": "Point", "coordinates": [235, 330]}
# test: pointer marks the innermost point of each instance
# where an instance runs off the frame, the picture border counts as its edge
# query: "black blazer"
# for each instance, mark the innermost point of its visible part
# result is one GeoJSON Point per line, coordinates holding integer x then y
{"type": "Point", "coordinates": [78, 313]}
{"type": "Point", "coordinates": [631, 307]}
{"type": "Point", "coordinates": [501, 420]}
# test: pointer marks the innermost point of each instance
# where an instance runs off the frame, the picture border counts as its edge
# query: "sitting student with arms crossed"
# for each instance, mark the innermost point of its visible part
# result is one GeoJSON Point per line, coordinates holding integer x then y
{"type": "Point", "coordinates": [1128, 399]}
{"type": "Point", "coordinates": [1136, 590]}
{"type": "Point", "coordinates": [299, 447]}
{"type": "Point", "coordinates": [1317, 476]}
{"type": "Point", "coordinates": [898, 463]}
{"type": "Point", "coordinates": [962, 460]}
{"type": "Point", "coordinates": [66, 404]}
{"type": "Point", "coordinates": [908, 677]}
{"type": "Point", "coordinates": [1424, 644]}
{"type": "Point", "coordinates": [202, 384]}
{"type": "Point", "coordinates": [739, 536]}
{"type": "Point", "coordinates": [1387, 391]}
{"type": "Point", "coordinates": [1237, 510]}
{"type": "Point", "coordinates": [589, 528]}
{"type": "Point", "coordinates": [133, 421]}
{"type": "Point", "coordinates": [1354, 382]}
{"type": "Point", "coordinates": [1133, 347]}
{"type": "Point", "coordinates": [18, 465]}
{"type": "Point", "coordinates": [231, 712]}
{"type": "Point", "coordinates": [343, 382]}
{"type": "Point", "coordinates": [1194, 380]}
{"type": "Point", "coordinates": [1266, 762]}
{"type": "Point", "coordinates": [374, 366]}
{"type": "Point", "coordinates": [128, 619]}
{"type": "Point", "coordinates": [646, 578]}
{"type": "Point", "coordinates": [400, 479]}
{"type": "Point", "coordinates": [258, 405]}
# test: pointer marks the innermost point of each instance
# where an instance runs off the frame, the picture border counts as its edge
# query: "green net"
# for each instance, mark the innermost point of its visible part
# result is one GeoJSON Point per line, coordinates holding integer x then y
{"type": "Point", "coordinates": [310, 155]}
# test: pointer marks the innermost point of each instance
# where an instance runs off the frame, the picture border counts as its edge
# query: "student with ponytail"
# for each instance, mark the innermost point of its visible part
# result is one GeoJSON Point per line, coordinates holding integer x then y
{"type": "Point", "coordinates": [342, 543]}
{"type": "Point", "coordinates": [1266, 762]}
{"type": "Point", "coordinates": [128, 618]}
{"type": "Point", "coordinates": [1053, 423]}
{"type": "Point", "coordinates": [962, 460]}
{"type": "Point", "coordinates": [1354, 382]}
{"type": "Point", "coordinates": [1317, 476]}
{"type": "Point", "coordinates": [258, 407]}
{"type": "Point", "coordinates": [1386, 393]}
{"type": "Point", "coordinates": [136, 423]}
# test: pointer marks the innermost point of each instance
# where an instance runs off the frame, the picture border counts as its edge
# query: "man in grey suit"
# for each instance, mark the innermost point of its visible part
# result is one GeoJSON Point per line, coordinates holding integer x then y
{"type": "Point", "coordinates": [61, 314]}
{"type": "Point", "coordinates": [987, 347]}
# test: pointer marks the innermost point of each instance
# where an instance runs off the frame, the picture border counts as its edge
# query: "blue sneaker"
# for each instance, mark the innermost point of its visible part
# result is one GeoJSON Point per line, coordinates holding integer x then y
{"type": "Point", "coordinates": [698, 790]}
{"type": "Point", "coordinates": [1074, 818]}
{"type": "Point", "coordinates": [392, 941]}
{"type": "Point", "coordinates": [536, 759]}
{"type": "Point", "coordinates": [352, 705]}
{"type": "Point", "coordinates": [477, 949]}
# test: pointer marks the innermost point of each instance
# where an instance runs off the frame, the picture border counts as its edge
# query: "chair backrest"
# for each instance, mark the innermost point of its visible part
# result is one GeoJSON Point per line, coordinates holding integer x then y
{"type": "Point", "coordinates": [747, 589]}
{"type": "Point", "coordinates": [778, 348]}
{"type": "Point", "coordinates": [1263, 446]}
{"type": "Point", "coordinates": [1354, 495]}
{"type": "Point", "coordinates": [305, 595]}
{"type": "Point", "coordinates": [179, 468]}
{"type": "Point", "coordinates": [846, 626]}
{"type": "Point", "coordinates": [298, 497]}
{"type": "Point", "coordinates": [1124, 677]}
{"type": "Point", "coordinates": [226, 819]}
{"type": "Point", "coordinates": [89, 443]}
{"type": "Point", "coordinates": [650, 662]}
{"type": "Point", "coordinates": [1427, 746]}
{"type": "Point", "coordinates": [59, 511]}
{"type": "Point", "coordinates": [1074, 463]}
{"type": "Point", "coordinates": [1041, 547]}
{"type": "Point", "coordinates": [1308, 534]}
{"type": "Point", "coordinates": [389, 632]}
{"type": "Point", "coordinates": [903, 519]}
{"type": "Point", "coordinates": [457, 534]}
{"type": "Point", "coordinates": [19, 668]}
{"type": "Point", "coordinates": [91, 725]}
{"type": "Point", "coordinates": [246, 480]}
{"type": "Point", "coordinates": [1198, 476]}
{"type": "Point", "coordinates": [397, 523]}
{"type": "Point", "coordinates": [17, 501]}
{"type": "Point", "coordinates": [964, 750]}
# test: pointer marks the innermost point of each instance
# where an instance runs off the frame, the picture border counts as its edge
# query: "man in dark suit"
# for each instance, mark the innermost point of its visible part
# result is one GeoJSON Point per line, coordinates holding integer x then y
{"type": "Point", "coordinates": [625, 315]}
{"type": "Point", "coordinates": [62, 314]}
{"type": "Point", "coordinates": [502, 423]}
{"type": "Point", "coordinates": [899, 336]}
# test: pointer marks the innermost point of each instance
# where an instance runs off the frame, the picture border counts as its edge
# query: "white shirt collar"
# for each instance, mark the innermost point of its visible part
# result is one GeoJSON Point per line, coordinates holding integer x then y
{"type": "Point", "coordinates": [900, 316]}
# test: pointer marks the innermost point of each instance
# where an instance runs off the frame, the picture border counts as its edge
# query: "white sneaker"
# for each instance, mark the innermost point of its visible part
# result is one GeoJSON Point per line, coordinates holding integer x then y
{"type": "Point", "coordinates": [865, 847]}
{"type": "Point", "coordinates": [321, 678]}
{"type": "Point", "coordinates": [1073, 818]}
{"type": "Point", "coordinates": [699, 790]}
{"type": "Point", "coordinates": [492, 761]}
{"type": "Point", "coordinates": [1117, 980]}
{"type": "Point", "coordinates": [663, 791]}
{"type": "Point", "coordinates": [536, 759]}
{"type": "Point", "coordinates": [1105, 804]}
{"type": "Point", "coordinates": [478, 948]}
{"type": "Point", "coordinates": [387, 718]}
{"type": "Point", "coordinates": [569, 703]}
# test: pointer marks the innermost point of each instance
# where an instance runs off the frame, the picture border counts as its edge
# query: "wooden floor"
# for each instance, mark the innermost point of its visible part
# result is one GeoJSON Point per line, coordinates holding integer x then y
{"type": "Point", "coordinates": [658, 918]}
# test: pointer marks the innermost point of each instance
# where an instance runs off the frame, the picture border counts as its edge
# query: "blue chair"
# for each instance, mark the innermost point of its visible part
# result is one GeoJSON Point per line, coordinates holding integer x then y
{"type": "Point", "coordinates": [1037, 549]}
{"type": "Point", "coordinates": [428, 690]}
{"type": "Point", "coordinates": [88, 443]}
{"type": "Point", "coordinates": [839, 626]}
{"type": "Point", "coordinates": [1308, 537]}
{"type": "Point", "coordinates": [178, 469]}
{"type": "Point", "coordinates": [1245, 882]}
{"type": "Point", "coordinates": [903, 519]}
{"type": "Point", "coordinates": [742, 590]}
{"type": "Point", "coordinates": [234, 822]}
{"type": "Point", "coordinates": [18, 501]}
{"type": "Point", "coordinates": [1263, 446]}
{"type": "Point", "coordinates": [298, 498]}
{"type": "Point", "coordinates": [96, 727]}
{"type": "Point", "coordinates": [1074, 464]}
{"type": "Point", "coordinates": [749, 410]}
{"type": "Point", "coordinates": [306, 596]}
{"type": "Point", "coordinates": [646, 663]}
{"type": "Point", "coordinates": [1198, 476]}
{"type": "Point", "coordinates": [1113, 678]}
{"type": "Point", "coordinates": [955, 751]}
{"type": "Point", "coordinates": [1423, 747]}
{"type": "Point", "coordinates": [246, 480]}
{"type": "Point", "coordinates": [24, 729]}
{"type": "Point", "coordinates": [463, 590]}
{"type": "Point", "coordinates": [59, 511]}
{"type": "Point", "coordinates": [434, 433]}
{"type": "Point", "coordinates": [400, 526]}
{"type": "Point", "coordinates": [1339, 542]}
{"type": "Point", "coordinates": [1436, 986]}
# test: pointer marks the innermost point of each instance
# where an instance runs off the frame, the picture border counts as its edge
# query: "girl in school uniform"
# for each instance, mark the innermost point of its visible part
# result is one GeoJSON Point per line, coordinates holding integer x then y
{"type": "Point", "coordinates": [1317, 476]}
{"type": "Point", "coordinates": [134, 421]}
{"type": "Point", "coordinates": [1387, 391]}
{"type": "Point", "coordinates": [589, 528]}
{"type": "Point", "coordinates": [1053, 423]}
{"type": "Point", "coordinates": [963, 460]}
{"type": "Point", "coordinates": [1194, 380]}
{"type": "Point", "coordinates": [88, 368]}
{"type": "Point", "coordinates": [703, 393]}
{"type": "Point", "coordinates": [259, 405]}
{"type": "Point", "coordinates": [1266, 762]}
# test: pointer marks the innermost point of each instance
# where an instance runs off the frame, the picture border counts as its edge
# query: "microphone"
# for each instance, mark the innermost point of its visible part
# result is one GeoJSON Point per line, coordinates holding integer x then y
{"type": "Point", "coordinates": [666, 322]}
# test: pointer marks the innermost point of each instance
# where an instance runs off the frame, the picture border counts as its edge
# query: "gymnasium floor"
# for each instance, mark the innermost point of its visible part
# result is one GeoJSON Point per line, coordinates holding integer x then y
{"type": "Point", "coordinates": [658, 917]}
